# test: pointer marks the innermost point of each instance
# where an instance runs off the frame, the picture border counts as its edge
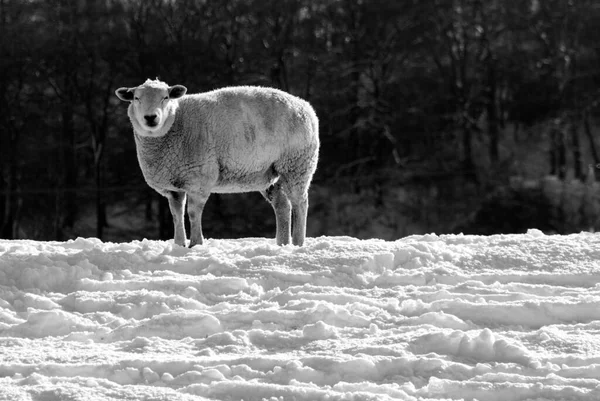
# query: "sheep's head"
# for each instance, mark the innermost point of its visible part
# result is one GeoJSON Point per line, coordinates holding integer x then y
{"type": "Point", "coordinates": [151, 103]}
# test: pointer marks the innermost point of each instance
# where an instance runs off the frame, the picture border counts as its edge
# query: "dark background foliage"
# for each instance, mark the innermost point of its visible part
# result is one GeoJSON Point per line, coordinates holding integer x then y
{"type": "Point", "coordinates": [435, 115]}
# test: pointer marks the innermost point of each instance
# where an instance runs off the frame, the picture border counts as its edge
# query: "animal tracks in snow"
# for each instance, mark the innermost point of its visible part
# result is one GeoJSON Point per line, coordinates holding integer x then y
{"type": "Point", "coordinates": [505, 317]}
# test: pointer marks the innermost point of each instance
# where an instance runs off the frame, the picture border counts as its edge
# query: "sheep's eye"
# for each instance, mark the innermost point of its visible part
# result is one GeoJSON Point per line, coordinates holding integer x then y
{"type": "Point", "coordinates": [166, 98]}
{"type": "Point", "coordinates": [137, 98]}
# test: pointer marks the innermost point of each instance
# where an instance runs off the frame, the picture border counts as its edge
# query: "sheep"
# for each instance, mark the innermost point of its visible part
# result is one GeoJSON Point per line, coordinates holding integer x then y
{"type": "Point", "coordinates": [230, 140]}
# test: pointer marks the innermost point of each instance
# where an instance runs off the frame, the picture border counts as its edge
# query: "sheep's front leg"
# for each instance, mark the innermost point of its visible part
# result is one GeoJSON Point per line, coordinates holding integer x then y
{"type": "Point", "coordinates": [176, 204]}
{"type": "Point", "coordinates": [196, 203]}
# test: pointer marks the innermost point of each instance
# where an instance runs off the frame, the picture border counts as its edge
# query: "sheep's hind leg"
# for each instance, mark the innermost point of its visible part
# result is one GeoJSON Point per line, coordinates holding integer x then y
{"type": "Point", "coordinates": [299, 201]}
{"type": "Point", "coordinates": [176, 204]}
{"type": "Point", "coordinates": [281, 205]}
{"type": "Point", "coordinates": [196, 202]}
{"type": "Point", "coordinates": [295, 183]}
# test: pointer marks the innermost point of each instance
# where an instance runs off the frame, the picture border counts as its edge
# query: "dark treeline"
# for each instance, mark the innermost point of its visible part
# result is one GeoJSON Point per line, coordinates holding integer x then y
{"type": "Point", "coordinates": [428, 108]}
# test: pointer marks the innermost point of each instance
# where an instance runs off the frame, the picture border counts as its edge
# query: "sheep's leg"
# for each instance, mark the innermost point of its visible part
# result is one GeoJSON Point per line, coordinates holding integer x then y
{"type": "Point", "coordinates": [281, 205]}
{"type": "Point", "coordinates": [295, 183]}
{"type": "Point", "coordinates": [176, 204]}
{"type": "Point", "coordinates": [196, 202]}
{"type": "Point", "coordinates": [299, 201]}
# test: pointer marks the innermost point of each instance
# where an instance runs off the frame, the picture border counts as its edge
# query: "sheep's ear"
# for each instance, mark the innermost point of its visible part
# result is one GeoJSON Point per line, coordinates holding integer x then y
{"type": "Point", "coordinates": [176, 91]}
{"type": "Point", "coordinates": [125, 94]}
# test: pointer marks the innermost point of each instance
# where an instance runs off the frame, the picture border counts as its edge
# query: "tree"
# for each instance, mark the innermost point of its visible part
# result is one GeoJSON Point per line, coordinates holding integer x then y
{"type": "Point", "coordinates": [15, 67]}
{"type": "Point", "coordinates": [100, 69]}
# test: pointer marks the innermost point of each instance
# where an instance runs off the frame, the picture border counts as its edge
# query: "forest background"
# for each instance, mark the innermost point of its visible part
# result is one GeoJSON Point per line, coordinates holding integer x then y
{"type": "Point", "coordinates": [435, 115]}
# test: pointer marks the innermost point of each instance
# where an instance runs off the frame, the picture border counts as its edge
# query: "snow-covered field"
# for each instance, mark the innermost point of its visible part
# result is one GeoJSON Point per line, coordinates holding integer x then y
{"type": "Point", "coordinates": [506, 317]}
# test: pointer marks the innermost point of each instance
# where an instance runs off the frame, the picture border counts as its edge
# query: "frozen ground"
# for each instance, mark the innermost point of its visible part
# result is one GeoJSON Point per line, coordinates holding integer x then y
{"type": "Point", "coordinates": [507, 317]}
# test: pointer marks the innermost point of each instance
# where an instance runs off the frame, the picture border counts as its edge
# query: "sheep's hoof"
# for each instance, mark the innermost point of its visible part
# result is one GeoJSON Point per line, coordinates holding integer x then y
{"type": "Point", "coordinates": [179, 242]}
{"type": "Point", "coordinates": [194, 243]}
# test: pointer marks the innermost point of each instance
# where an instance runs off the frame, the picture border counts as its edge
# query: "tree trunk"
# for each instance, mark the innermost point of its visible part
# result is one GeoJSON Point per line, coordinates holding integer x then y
{"type": "Point", "coordinates": [68, 159]}
{"type": "Point", "coordinates": [468, 163]}
{"type": "Point", "coordinates": [67, 67]}
{"type": "Point", "coordinates": [101, 220]}
{"type": "Point", "coordinates": [148, 204]}
{"type": "Point", "coordinates": [3, 200]}
{"type": "Point", "coordinates": [576, 151]}
{"type": "Point", "coordinates": [16, 200]}
{"type": "Point", "coordinates": [492, 114]}
{"type": "Point", "coordinates": [560, 149]}
{"type": "Point", "coordinates": [590, 136]}
{"type": "Point", "coordinates": [165, 220]}
{"type": "Point", "coordinates": [553, 162]}
{"type": "Point", "coordinates": [310, 74]}
{"type": "Point", "coordinates": [9, 225]}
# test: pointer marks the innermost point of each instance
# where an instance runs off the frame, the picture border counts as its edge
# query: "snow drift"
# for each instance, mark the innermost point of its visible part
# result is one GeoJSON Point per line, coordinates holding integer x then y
{"type": "Point", "coordinates": [505, 317]}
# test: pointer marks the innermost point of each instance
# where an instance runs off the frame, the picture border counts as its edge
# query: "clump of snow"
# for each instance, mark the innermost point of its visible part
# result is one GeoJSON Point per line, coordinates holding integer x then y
{"type": "Point", "coordinates": [534, 232]}
{"type": "Point", "coordinates": [449, 317]}
{"type": "Point", "coordinates": [318, 331]}
{"type": "Point", "coordinates": [481, 346]}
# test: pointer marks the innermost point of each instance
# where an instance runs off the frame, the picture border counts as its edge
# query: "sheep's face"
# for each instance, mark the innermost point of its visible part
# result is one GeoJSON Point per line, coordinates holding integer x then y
{"type": "Point", "coordinates": [151, 103]}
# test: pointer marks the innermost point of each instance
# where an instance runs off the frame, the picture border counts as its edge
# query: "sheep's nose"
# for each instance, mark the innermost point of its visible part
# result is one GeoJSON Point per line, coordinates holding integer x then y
{"type": "Point", "coordinates": [150, 119]}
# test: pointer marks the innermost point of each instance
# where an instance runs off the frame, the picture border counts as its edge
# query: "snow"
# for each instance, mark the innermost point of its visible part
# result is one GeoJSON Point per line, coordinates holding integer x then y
{"type": "Point", "coordinates": [432, 317]}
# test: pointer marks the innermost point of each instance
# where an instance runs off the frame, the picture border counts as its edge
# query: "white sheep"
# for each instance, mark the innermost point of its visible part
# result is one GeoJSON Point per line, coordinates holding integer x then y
{"type": "Point", "coordinates": [236, 139]}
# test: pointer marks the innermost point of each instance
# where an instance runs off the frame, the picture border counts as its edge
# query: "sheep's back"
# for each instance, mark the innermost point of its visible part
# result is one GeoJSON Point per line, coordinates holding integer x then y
{"type": "Point", "coordinates": [251, 127]}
